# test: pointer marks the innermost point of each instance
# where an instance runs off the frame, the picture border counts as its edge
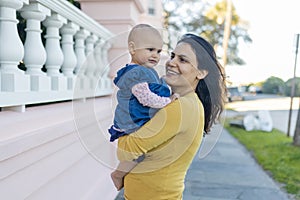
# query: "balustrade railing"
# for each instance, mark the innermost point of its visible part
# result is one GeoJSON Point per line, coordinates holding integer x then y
{"type": "Point", "coordinates": [67, 61]}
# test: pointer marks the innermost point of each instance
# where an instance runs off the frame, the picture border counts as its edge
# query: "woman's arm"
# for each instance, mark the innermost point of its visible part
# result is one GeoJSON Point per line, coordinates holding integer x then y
{"type": "Point", "coordinates": [165, 124]}
{"type": "Point", "coordinates": [122, 170]}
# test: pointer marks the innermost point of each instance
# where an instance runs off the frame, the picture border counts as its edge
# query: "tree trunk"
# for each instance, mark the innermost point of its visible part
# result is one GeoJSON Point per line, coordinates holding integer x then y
{"type": "Point", "coordinates": [296, 138]}
{"type": "Point", "coordinates": [227, 29]}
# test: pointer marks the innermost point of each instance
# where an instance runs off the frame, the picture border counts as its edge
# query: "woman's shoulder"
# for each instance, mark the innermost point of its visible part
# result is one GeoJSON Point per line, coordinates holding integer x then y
{"type": "Point", "coordinates": [190, 97]}
{"type": "Point", "coordinates": [189, 102]}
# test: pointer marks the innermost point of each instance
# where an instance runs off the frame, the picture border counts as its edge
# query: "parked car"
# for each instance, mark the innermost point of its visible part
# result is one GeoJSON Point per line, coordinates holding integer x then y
{"type": "Point", "coordinates": [233, 94]}
{"type": "Point", "coordinates": [255, 89]}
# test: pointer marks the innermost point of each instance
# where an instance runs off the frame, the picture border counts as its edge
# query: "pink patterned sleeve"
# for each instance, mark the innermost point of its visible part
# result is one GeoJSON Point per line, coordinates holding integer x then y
{"type": "Point", "coordinates": [147, 98]}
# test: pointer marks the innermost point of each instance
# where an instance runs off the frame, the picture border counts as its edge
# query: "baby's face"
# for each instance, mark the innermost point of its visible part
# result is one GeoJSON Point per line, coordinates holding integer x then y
{"type": "Point", "coordinates": [147, 49]}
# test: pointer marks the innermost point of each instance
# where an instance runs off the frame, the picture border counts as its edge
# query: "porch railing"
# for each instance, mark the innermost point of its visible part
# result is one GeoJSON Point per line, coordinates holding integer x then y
{"type": "Point", "coordinates": [64, 55]}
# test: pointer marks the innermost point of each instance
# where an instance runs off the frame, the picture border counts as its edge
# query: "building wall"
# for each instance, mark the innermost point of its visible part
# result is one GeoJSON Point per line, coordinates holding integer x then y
{"type": "Point", "coordinates": [119, 16]}
{"type": "Point", "coordinates": [61, 151]}
{"type": "Point", "coordinates": [58, 151]}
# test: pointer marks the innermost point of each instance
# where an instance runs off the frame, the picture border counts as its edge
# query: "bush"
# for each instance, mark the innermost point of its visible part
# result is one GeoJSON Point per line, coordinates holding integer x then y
{"type": "Point", "coordinates": [289, 86]}
{"type": "Point", "coordinates": [274, 85]}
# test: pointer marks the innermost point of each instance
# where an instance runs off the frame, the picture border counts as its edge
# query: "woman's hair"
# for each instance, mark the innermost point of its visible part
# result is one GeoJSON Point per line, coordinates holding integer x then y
{"type": "Point", "coordinates": [212, 89]}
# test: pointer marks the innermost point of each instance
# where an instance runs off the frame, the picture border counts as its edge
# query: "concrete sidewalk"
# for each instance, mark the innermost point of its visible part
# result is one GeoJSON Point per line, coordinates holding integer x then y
{"type": "Point", "coordinates": [228, 172]}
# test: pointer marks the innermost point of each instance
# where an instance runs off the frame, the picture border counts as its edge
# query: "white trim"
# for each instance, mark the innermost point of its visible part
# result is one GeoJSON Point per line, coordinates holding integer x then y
{"type": "Point", "coordinates": [73, 14]}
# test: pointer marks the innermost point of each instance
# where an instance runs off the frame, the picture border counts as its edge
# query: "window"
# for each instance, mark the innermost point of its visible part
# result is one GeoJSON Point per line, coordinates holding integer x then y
{"type": "Point", "coordinates": [151, 7]}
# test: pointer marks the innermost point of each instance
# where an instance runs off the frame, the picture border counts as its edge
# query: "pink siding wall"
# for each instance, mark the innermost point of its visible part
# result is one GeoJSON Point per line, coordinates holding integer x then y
{"type": "Point", "coordinates": [42, 156]}
{"type": "Point", "coordinates": [119, 16]}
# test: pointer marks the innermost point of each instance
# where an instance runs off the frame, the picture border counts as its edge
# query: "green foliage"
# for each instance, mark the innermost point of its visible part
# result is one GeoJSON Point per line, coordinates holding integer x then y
{"type": "Point", "coordinates": [273, 85]}
{"type": "Point", "coordinates": [288, 84]}
{"type": "Point", "coordinates": [75, 3]}
{"type": "Point", "coordinates": [208, 21]}
{"type": "Point", "coordinates": [275, 153]}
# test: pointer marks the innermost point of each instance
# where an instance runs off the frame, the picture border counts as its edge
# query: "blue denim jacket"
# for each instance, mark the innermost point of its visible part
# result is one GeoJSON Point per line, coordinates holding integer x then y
{"type": "Point", "coordinates": [130, 114]}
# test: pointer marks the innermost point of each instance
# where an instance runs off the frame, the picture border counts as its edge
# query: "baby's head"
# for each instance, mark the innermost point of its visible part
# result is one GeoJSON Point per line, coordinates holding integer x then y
{"type": "Point", "coordinates": [145, 44]}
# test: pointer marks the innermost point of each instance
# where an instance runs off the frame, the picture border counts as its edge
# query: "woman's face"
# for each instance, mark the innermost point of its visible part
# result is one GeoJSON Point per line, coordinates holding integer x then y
{"type": "Point", "coordinates": [182, 73]}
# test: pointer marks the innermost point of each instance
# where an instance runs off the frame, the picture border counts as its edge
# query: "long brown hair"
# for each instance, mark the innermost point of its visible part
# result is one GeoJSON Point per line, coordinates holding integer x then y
{"type": "Point", "coordinates": [212, 89]}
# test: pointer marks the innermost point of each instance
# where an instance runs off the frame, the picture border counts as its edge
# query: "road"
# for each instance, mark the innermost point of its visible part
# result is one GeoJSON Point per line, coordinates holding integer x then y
{"type": "Point", "coordinates": [277, 105]}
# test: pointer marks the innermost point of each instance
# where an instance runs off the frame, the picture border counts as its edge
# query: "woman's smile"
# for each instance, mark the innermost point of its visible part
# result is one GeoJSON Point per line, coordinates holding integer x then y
{"type": "Point", "coordinates": [171, 72]}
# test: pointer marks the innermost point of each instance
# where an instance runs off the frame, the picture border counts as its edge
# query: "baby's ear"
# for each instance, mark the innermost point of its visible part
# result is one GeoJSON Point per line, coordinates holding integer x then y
{"type": "Point", "coordinates": [131, 47]}
{"type": "Point", "coordinates": [202, 74]}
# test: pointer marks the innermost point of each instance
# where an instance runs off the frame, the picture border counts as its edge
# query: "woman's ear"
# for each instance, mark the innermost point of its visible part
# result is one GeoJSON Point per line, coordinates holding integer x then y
{"type": "Point", "coordinates": [131, 47]}
{"type": "Point", "coordinates": [202, 74]}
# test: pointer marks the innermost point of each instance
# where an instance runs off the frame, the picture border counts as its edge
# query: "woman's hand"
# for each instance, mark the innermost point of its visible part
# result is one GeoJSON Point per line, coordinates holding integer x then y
{"type": "Point", "coordinates": [118, 179]}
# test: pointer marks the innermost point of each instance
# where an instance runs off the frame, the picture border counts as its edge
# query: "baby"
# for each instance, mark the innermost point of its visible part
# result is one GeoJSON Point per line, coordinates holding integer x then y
{"type": "Point", "coordinates": [141, 92]}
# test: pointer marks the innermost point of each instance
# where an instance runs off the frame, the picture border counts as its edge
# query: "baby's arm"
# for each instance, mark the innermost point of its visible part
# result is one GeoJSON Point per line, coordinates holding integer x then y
{"type": "Point", "coordinates": [147, 98]}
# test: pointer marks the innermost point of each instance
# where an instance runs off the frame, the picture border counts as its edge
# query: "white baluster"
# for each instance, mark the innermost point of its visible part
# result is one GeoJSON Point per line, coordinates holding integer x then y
{"type": "Point", "coordinates": [98, 59]}
{"type": "Point", "coordinates": [11, 48]}
{"type": "Point", "coordinates": [81, 79]}
{"type": "Point", "coordinates": [55, 55]}
{"type": "Point", "coordinates": [80, 36]}
{"type": "Point", "coordinates": [107, 80]}
{"type": "Point", "coordinates": [70, 60]}
{"type": "Point", "coordinates": [105, 47]}
{"type": "Point", "coordinates": [35, 53]}
{"type": "Point", "coordinates": [99, 66]}
{"type": "Point", "coordinates": [90, 44]}
{"type": "Point", "coordinates": [91, 65]}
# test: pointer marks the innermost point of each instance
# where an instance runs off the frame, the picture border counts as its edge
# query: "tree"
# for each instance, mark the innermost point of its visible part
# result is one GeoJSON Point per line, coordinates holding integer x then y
{"type": "Point", "coordinates": [75, 3]}
{"type": "Point", "coordinates": [208, 21]}
{"type": "Point", "coordinates": [273, 85]}
{"type": "Point", "coordinates": [227, 27]}
{"type": "Point", "coordinates": [296, 137]}
{"type": "Point", "coordinates": [288, 84]}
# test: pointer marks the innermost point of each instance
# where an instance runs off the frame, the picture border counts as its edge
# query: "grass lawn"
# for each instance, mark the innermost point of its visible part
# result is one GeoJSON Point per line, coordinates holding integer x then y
{"type": "Point", "coordinates": [275, 153]}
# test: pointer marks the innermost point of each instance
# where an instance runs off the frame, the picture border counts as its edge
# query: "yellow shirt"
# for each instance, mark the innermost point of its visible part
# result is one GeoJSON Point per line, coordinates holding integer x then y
{"type": "Point", "coordinates": [169, 141]}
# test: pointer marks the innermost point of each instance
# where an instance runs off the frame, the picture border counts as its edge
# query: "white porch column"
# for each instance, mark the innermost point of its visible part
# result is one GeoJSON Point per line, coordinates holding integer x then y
{"type": "Point", "coordinates": [35, 53]}
{"type": "Point", "coordinates": [11, 48]}
{"type": "Point", "coordinates": [70, 60]}
{"type": "Point", "coordinates": [55, 56]}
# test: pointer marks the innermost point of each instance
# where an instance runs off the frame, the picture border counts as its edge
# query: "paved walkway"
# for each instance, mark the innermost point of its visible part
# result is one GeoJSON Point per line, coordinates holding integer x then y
{"type": "Point", "coordinates": [228, 172]}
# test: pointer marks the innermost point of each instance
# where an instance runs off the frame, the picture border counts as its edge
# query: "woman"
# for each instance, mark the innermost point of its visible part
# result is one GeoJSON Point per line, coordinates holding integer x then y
{"type": "Point", "coordinates": [170, 140]}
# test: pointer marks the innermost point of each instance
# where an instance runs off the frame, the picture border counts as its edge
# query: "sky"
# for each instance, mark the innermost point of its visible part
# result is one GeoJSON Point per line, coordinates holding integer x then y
{"type": "Point", "coordinates": [273, 26]}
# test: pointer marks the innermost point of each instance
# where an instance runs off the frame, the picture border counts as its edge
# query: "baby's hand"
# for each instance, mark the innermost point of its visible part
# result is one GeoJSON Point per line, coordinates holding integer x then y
{"type": "Point", "coordinates": [174, 96]}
